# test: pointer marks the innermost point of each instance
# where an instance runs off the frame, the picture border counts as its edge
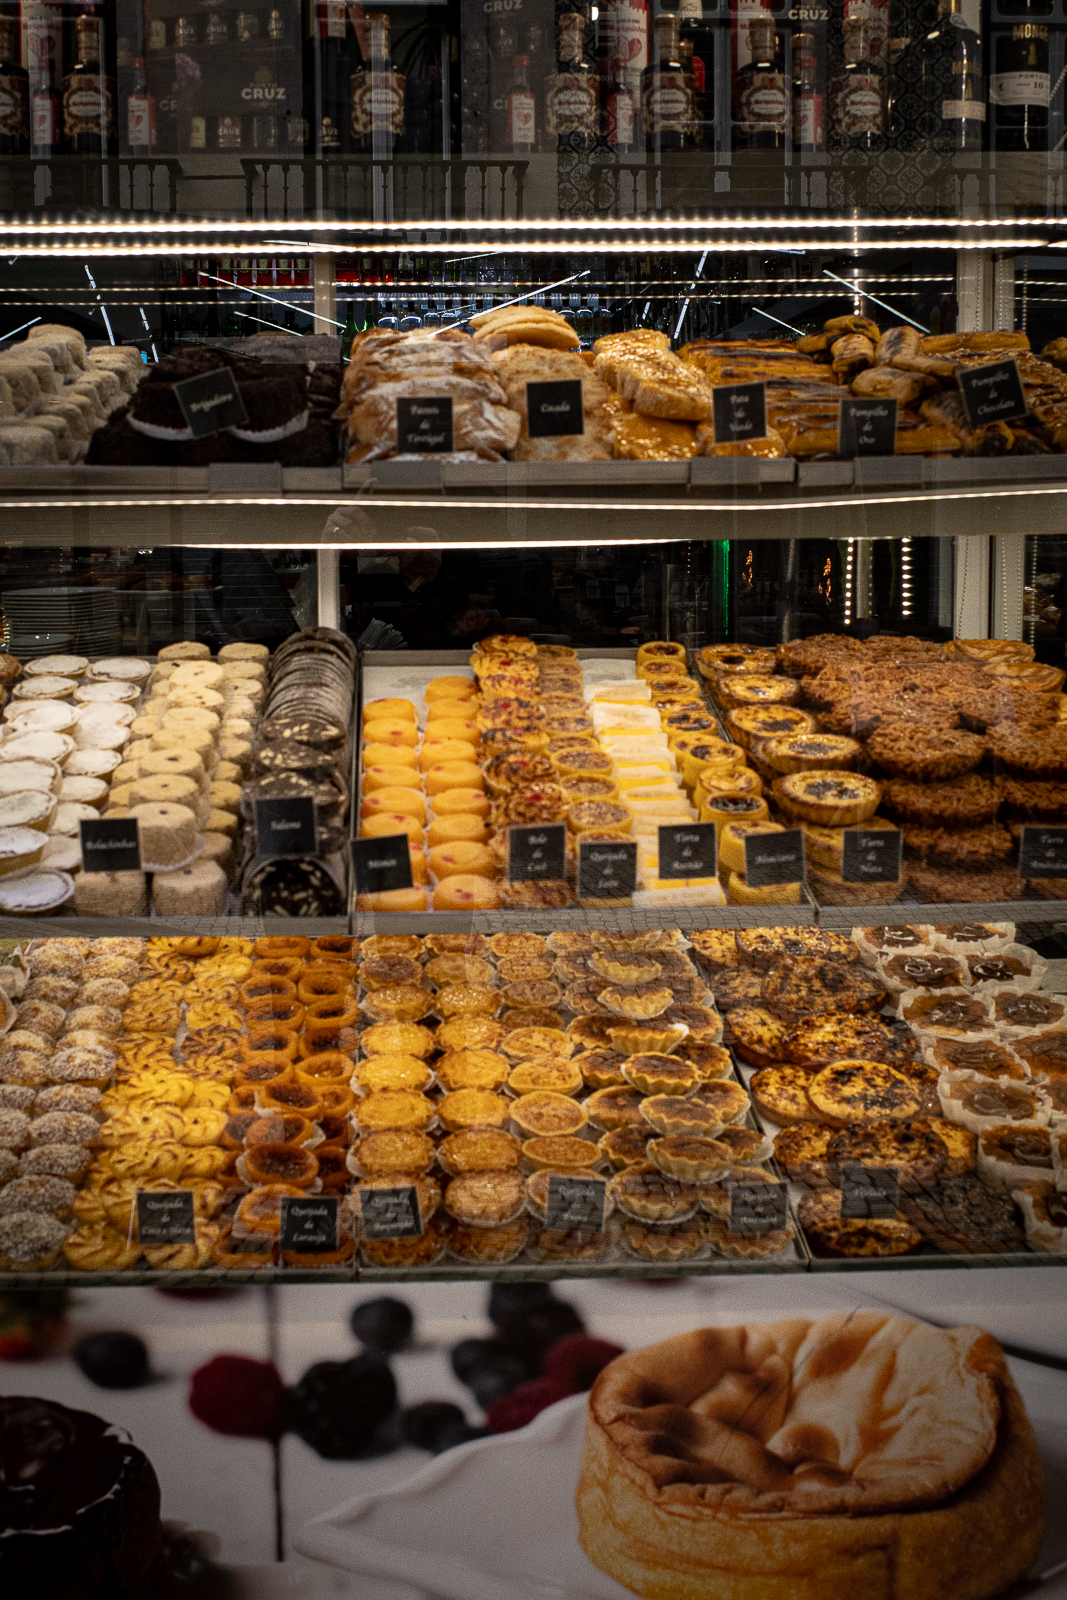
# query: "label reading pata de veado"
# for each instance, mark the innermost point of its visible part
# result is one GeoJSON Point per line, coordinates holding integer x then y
{"type": "Point", "coordinates": [554, 409]}
{"type": "Point", "coordinates": [775, 858]}
{"type": "Point", "coordinates": [211, 402]}
{"type": "Point", "coordinates": [381, 865]}
{"type": "Point", "coordinates": [537, 851]}
{"type": "Point", "coordinates": [740, 411]}
{"type": "Point", "coordinates": [424, 425]}
{"type": "Point", "coordinates": [286, 827]}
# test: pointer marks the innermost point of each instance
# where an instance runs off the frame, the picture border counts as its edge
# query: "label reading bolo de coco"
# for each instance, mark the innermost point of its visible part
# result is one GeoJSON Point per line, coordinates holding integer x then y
{"type": "Point", "coordinates": [537, 851]}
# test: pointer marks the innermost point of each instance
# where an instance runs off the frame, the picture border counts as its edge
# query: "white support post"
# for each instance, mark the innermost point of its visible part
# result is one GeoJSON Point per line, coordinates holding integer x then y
{"type": "Point", "coordinates": [325, 310]}
{"type": "Point", "coordinates": [970, 610]}
{"type": "Point", "coordinates": [1004, 294]}
{"type": "Point", "coordinates": [974, 290]}
{"type": "Point", "coordinates": [329, 587]}
{"type": "Point", "coordinates": [1009, 571]}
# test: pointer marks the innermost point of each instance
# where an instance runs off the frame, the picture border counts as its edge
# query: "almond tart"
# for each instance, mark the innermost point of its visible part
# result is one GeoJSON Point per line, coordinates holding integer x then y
{"type": "Point", "coordinates": [478, 1150]}
{"type": "Point", "coordinates": [392, 1150]}
{"type": "Point", "coordinates": [487, 1198]}
{"type": "Point", "coordinates": [397, 1038]}
{"type": "Point", "coordinates": [615, 1108]}
{"type": "Point", "coordinates": [716, 1196]}
{"type": "Point", "coordinates": [627, 1145]}
{"type": "Point", "coordinates": [549, 1073]}
{"type": "Point", "coordinates": [392, 1072]}
{"type": "Point", "coordinates": [562, 1152]}
{"type": "Point", "coordinates": [746, 1246]}
{"type": "Point", "coordinates": [468, 1033]}
{"type": "Point", "coordinates": [538, 1188]}
{"type": "Point", "coordinates": [466, 1000]}
{"type": "Point", "coordinates": [674, 1114]}
{"type": "Point", "coordinates": [473, 1069]}
{"type": "Point", "coordinates": [568, 1244]}
{"type": "Point", "coordinates": [448, 969]}
{"type": "Point", "coordinates": [690, 1159]}
{"type": "Point", "coordinates": [765, 947]}
{"type": "Point", "coordinates": [663, 1244]}
{"type": "Point", "coordinates": [660, 1074]}
{"type": "Point", "coordinates": [530, 1017]}
{"type": "Point", "coordinates": [645, 1192]}
{"type": "Point", "coordinates": [395, 1108]}
{"type": "Point", "coordinates": [402, 1002]}
{"type": "Point", "coordinates": [545, 1113]}
{"type": "Point", "coordinates": [851, 1092]}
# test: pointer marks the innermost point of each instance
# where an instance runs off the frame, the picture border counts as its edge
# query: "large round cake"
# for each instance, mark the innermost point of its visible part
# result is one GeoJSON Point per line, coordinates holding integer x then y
{"type": "Point", "coordinates": [867, 1457]}
{"type": "Point", "coordinates": [79, 1507]}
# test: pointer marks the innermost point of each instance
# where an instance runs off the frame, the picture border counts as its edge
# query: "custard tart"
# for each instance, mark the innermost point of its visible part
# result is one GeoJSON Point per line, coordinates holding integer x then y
{"type": "Point", "coordinates": [530, 1017]}
{"type": "Point", "coordinates": [562, 1152]}
{"type": "Point", "coordinates": [828, 798]}
{"type": "Point", "coordinates": [674, 1114]}
{"type": "Point", "coordinates": [456, 944]}
{"type": "Point", "coordinates": [550, 1072]}
{"type": "Point", "coordinates": [397, 1038]}
{"type": "Point", "coordinates": [746, 1246]}
{"type": "Point", "coordinates": [809, 985]}
{"type": "Point", "coordinates": [781, 1093]}
{"type": "Point", "coordinates": [526, 1044]}
{"type": "Point", "coordinates": [711, 1060]}
{"type": "Point", "coordinates": [448, 969]}
{"type": "Point", "coordinates": [473, 1069]}
{"type": "Point", "coordinates": [746, 1144]}
{"type": "Point", "coordinates": [468, 1033]}
{"type": "Point", "coordinates": [402, 1002]}
{"type": "Point", "coordinates": [666, 1245]}
{"type": "Point", "coordinates": [910, 1149]}
{"type": "Point", "coordinates": [394, 1108]}
{"type": "Point", "coordinates": [757, 1036]}
{"type": "Point", "coordinates": [590, 1032]}
{"type": "Point", "coordinates": [704, 1025]}
{"type": "Point", "coordinates": [623, 1146]}
{"type": "Point", "coordinates": [473, 1108]}
{"type": "Point", "coordinates": [392, 1072]}
{"type": "Point", "coordinates": [478, 1150]}
{"type": "Point", "coordinates": [660, 1074]}
{"type": "Point", "coordinates": [644, 1192]}
{"type": "Point", "coordinates": [505, 946]}
{"type": "Point", "coordinates": [601, 1069]}
{"type": "Point", "coordinates": [466, 1000]}
{"type": "Point", "coordinates": [960, 1144]}
{"type": "Point", "coordinates": [852, 1092]}
{"type": "Point", "coordinates": [544, 1113]}
{"type": "Point", "coordinates": [625, 967]}
{"type": "Point", "coordinates": [690, 1159]}
{"type": "Point", "coordinates": [638, 1002]}
{"type": "Point", "coordinates": [487, 1246]}
{"type": "Point", "coordinates": [818, 1041]}
{"type": "Point", "coordinates": [393, 1150]}
{"type": "Point", "coordinates": [737, 986]}
{"type": "Point", "coordinates": [615, 1108]}
{"type": "Point", "coordinates": [391, 944]}
{"type": "Point", "coordinates": [486, 1199]}
{"type": "Point", "coordinates": [802, 1152]}
{"type": "Point", "coordinates": [635, 1038]}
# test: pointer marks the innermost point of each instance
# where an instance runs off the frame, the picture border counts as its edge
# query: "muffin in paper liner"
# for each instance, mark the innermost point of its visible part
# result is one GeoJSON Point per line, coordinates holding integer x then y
{"type": "Point", "coordinates": [957, 1011]}
{"type": "Point", "coordinates": [1015, 967]}
{"type": "Point", "coordinates": [977, 1103]}
{"type": "Point", "coordinates": [881, 939]}
{"type": "Point", "coordinates": [1010, 1156]}
{"type": "Point", "coordinates": [1044, 1211]}
{"type": "Point", "coordinates": [973, 938]}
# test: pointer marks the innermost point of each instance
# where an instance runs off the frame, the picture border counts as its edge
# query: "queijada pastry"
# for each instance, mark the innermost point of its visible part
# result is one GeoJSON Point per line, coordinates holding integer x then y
{"type": "Point", "coordinates": [862, 1455]}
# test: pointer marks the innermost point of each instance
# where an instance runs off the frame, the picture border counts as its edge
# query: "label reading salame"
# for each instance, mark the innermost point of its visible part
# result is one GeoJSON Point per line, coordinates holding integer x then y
{"type": "Point", "coordinates": [286, 827]}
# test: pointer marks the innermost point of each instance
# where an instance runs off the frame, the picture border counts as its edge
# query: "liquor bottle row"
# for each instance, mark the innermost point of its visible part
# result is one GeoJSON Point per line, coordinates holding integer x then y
{"type": "Point", "coordinates": [867, 75]}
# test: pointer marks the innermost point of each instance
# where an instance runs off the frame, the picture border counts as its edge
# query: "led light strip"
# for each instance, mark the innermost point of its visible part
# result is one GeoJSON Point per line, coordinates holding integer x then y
{"type": "Point", "coordinates": [82, 248]}
{"type": "Point", "coordinates": [510, 226]}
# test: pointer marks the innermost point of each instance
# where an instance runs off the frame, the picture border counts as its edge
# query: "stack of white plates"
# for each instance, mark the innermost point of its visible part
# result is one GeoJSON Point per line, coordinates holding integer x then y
{"type": "Point", "coordinates": [41, 622]}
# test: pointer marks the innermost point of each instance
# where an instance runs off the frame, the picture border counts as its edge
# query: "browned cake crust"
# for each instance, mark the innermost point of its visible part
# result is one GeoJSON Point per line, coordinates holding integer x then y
{"type": "Point", "coordinates": [965, 803]}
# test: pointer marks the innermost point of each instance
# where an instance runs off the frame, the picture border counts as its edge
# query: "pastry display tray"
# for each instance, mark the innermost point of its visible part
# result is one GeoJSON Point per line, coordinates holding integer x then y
{"type": "Point", "coordinates": [471, 1524]}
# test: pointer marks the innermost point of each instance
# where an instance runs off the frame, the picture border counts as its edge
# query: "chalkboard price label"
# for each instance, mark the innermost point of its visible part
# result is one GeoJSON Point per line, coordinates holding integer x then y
{"type": "Point", "coordinates": [869, 1192]}
{"type": "Point", "coordinates": [309, 1223]}
{"type": "Point", "coordinates": [381, 865]}
{"type": "Point", "coordinates": [867, 428]}
{"type": "Point", "coordinates": [758, 1207]}
{"type": "Point", "coordinates": [607, 869]}
{"type": "Point", "coordinates": [1043, 853]}
{"type": "Point", "coordinates": [554, 409]}
{"type": "Point", "coordinates": [740, 411]}
{"type": "Point", "coordinates": [424, 425]}
{"type": "Point", "coordinates": [992, 393]}
{"type": "Point", "coordinates": [775, 858]}
{"type": "Point", "coordinates": [688, 850]}
{"type": "Point", "coordinates": [286, 827]}
{"type": "Point", "coordinates": [210, 402]}
{"type": "Point", "coordinates": [871, 855]}
{"type": "Point", "coordinates": [537, 851]}
{"type": "Point", "coordinates": [575, 1204]}
{"type": "Point", "coordinates": [391, 1213]}
{"type": "Point", "coordinates": [110, 844]}
{"type": "Point", "coordinates": [165, 1217]}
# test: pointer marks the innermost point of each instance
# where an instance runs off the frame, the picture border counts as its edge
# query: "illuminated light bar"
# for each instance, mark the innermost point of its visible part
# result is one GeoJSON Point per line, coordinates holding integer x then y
{"type": "Point", "coordinates": [81, 248]}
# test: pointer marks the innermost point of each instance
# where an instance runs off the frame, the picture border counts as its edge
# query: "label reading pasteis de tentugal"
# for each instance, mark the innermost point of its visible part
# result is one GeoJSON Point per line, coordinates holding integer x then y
{"type": "Point", "coordinates": [309, 1222]}
{"type": "Point", "coordinates": [1043, 853]}
{"type": "Point", "coordinates": [554, 409]}
{"type": "Point", "coordinates": [740, 411]}
{"type": "Point", "coordinates": [869, 1192]}
{"type": "Point", "coordinates": [775, 858]}
{"type": "Point", "coordinates": [381, 865]}
{"type": "Point", "coordinates": [391, 1213]}
{"type": "Point", "coordinates": [110, 844]}
{"type": "Point", "coordinates": [424, 425]}
{"type": "Point", "coordinates": [871, 855]}
{"type": "Point", "coordinates": [286, 827]}
{"type": "Point", "coordinates": [758, 1207]}
{"type": "Point", "coordinates": [165, 1217]}
{"type": "Point", "coordinates": [537, 851]}
{"type": "Point", "coordinates": [607, 870]}
{"type": "Point", "coordinates": [992, 393]}
{"type": "Point", "coordinates": [211, 402]}
{"type": "Point", "coordinates": [575, 1204]}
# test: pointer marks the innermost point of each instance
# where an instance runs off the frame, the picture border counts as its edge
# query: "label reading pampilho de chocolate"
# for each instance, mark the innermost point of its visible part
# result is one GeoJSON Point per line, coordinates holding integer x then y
{"type": "Point", "coordinates": [554, 409]}
{"type": "Point", "coordinates": [992, 393]}
{"type": "Point", "coordinates": [165, 1217]}
{"type": "Point", "coordinates": [309, 1222]}
{"type": "Point", "coordinates": [775, 858]}
{"type": "Point", "coordinates": [867, 428]}
{"type": "Point", "coordinates": [687, 850]}
{"type": "Point", "coordinates": [575, 1204]}
{"type": "Point", "coordinates": [286, 827]}
{"type": "Point", "coordinates": [758, 1207]}
{"type": "Point", "coordinates": [871, 855]}
{"type": "Point", "coordinates": [211, 402]}
{"type": "Point", "coordinates": [391, 1213]}
{"type": "Point", "coordinates": [110, 844]}
{"type": "Point", "coordinates": [740, 411]}
{"type": "Point", "coordinates": [424, 425]}
{"type": "Point", "coordinates": [1043, 853]}
{"type": "Point", "coordinates": [380, 865]}
{"type": "Point", "coordinates": [607, 869]}
{"type": "Point", "coordinates": [869, 1192]}
{"type": "Point", "coordinates": [537, 851]}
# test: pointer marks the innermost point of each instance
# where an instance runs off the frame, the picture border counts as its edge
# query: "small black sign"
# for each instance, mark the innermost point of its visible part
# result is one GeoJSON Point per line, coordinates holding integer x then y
{"type": "Point", "coordinates": [869, 1191]}
{"type": "Point", "coordinates": [553, 409]}
{"type": "Point", "coordinates": [688, 850]}
{"type": "Point", "coordinates": [391, 1213]}
{"type": "Point", "coordinates": [309, 1223]}
{"type": "Point", "coordinates": [575, 1204]}
{"type": "Point", "coordinates": [871, 855]}
{"type": "Point", "coordinates": [740, 411]}
{"type": "Point", "coordinates": [1043, 853]}
{"type": "Point", "coordinates": [607, 869]}
{"type": "Point", "coordinates": [165, 1217]}
{"type": "Point", "coordinates": [992, 393]}
{"type": "Point", "coordinates": [211, 402]}
{"type": "Point", "coordinates": [867, 428]}
{"type": "Point", "coordinates": [758, 1207]}
{"type": "Point", "coordinates": [424, 425]}
{"type": "Point", "coordinates": [286, 827]}
{"type": "Point", "coordinates": [382, 864]}
{"type": "Point", "coordinates": [775, 858]}
{"type": "Point", "coordinates": [110, 844]}
{"type": "Point", "coordinates": [537, 851]}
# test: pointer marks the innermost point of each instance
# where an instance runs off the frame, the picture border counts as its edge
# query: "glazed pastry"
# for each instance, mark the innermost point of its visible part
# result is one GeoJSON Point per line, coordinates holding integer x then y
{"type": "Point", "coordinates": [781, 1093]}
{"type": "Point", "coordinates": [757, 1035]}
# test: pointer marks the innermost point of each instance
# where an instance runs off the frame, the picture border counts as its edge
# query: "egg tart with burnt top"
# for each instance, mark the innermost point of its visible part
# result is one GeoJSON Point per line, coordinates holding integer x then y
{"type": "Point", "coordinates": [660, 1074]}
{"type": "Point", "coordinates": [757, 1035]}
{"type": "Point", "coordinates": [808, 986]}
{"type": "Point", "coordinates": [851, 1092]}
{"type": "Point", "coordinates": [817, 1042]}
{"type": "Point", "coordinates": [765, 947]}
{"type": "Point", "coordinates": [625, 1146]}
{"type": "Point", "coordinates": [781, 1093]}
{"type": "Point", "coordinates": [829, 799]}
{"type": "Point", "coordinates": [911, 1148]}
{"type": "Point", "coordinates": [802, 1151]}
{"type": "Point", "coordinates": [712, 1061]}
{"type": "Point", "coordinates": [964, 1216]}
{"type": "Point", "coordinates": [601, 1069]}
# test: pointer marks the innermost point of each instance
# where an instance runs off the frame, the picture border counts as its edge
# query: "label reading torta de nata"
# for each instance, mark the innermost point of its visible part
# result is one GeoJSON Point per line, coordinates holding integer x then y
{"type": "Point", "coordinates": [871, 855]}
{"type": "Point", "coordinates": [309, 1223]}
{"type": "Point", "coordinates": [758, 1207]}
{"type": "Point", "coordinates": [381, 865]}
{"type": "Point", "coordinates": [607, 870]}
{"type": "Point", "coordinates": [775, 858]}
{"type": "Point", "coordinates": [575, 1204]}
{"type": "Point", "coordinates": [554, 409]}
{"type": "Point", "coordinates": [537, 851]}
{"type": "Point", "coordinates": [424, 425]}
{"type": "Point", "coordinates": [110, 844]}
{"type": "Point", "coordinates": [211, 402]}
{"type": "Point", "coordinates": [286, 827]}
{"type": "Point", "coordinates": [867, 428]}
{"type": "Point", "coordinates": [687, 850]}
{"type": "Point", "coordinates": [740, 411]}
{"type": "Point", "coordinates": [391, 1213]}
{"type": "Point", "coordinates": [992, 393]}
{"type": "Point", "coordinates": [869, 1192]}
{"type": "Point", "coordinates": [1043, 853]}
{"type": "Point", "coordinates": [165, 1217]}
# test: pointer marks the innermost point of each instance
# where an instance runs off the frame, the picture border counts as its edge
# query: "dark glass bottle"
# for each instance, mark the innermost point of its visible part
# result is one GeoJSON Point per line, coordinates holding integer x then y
{"type": "Point", "coordinates": [572, 113]}
{"type": "Point", "coordinates": [808, 131]}
{"type": "Point", "coordinates": [46, 131]}
{"type": "Point", "coordinates": [700, 36]}
{"type": "Point", "coordinates": [89, 126]}
{"type": "Point", "coordinates": [761, 91]}
{"type": "Point", "coordinates": [377, 94]}
{"type": "Point", "coordinates": [521, 110]}
{"type": "Point", "coordinates": [503, 48]}
{"type": "Point", "coordinates": [619, 129]}
{"type": "Point", "coordinates": [938, 90]}
{"type": "Point", "coordinates": [1019, 88]}
{"type": "Point", "coordinates": [140, 112]}
{"type": "Point", "coordinates": [14, 95]}
{"type": "Point", "coordinates": [327, 71]}
{"type": "Point", "coordinates": [666, 93]}
{"type": "Point", "coordinates": [858, 100]}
